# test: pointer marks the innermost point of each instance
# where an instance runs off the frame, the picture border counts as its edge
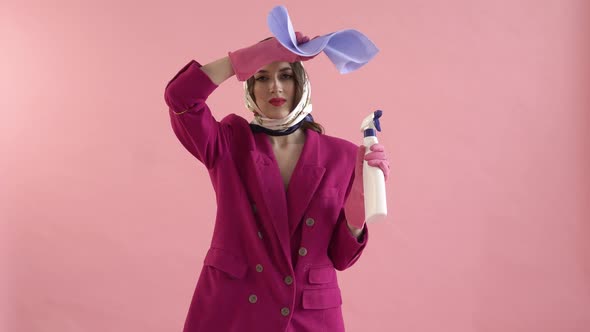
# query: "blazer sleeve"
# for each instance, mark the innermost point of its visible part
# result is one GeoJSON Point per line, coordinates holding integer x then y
{"type": "Point", "coordinates": [344, 249]}
{"type": "Point", "coordinates": [194, 125]}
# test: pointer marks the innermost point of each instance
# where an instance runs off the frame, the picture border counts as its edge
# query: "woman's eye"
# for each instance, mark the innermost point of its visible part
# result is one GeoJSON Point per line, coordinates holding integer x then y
{"type": "Point", "coordinates": [287, 76]}
{"type": "Point", "coordinates": [261, 78]}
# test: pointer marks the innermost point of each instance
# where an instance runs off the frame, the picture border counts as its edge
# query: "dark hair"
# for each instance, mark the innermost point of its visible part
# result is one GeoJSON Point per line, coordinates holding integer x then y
{"type": "Point", "coordinates": [300, 76]}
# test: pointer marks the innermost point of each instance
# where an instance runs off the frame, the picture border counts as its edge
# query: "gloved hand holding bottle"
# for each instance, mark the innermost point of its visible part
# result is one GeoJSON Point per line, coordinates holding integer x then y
{"type": "Point", "coordinates": [355, 205]}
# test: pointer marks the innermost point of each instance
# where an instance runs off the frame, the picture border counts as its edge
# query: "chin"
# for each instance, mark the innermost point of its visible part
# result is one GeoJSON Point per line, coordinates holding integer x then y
{"type": "Point", "coordinates": [277, 114]}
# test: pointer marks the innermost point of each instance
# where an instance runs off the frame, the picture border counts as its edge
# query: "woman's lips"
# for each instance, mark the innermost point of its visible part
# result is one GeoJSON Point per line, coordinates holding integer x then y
{"type": "Point", "coordinates": [277, 101]}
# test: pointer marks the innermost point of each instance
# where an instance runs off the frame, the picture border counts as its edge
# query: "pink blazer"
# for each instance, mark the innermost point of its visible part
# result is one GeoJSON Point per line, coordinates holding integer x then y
{"type": "Point", "coordinates": [274, 253]}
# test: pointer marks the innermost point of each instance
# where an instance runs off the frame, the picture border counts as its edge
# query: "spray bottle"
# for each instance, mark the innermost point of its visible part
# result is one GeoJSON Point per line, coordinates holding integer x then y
{"type": "Point", "coordinates": [373, 178]}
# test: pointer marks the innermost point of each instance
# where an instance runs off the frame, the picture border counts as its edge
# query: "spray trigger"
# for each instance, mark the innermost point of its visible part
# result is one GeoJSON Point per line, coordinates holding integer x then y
{"type": "Point", "coordinates": [376, 117]}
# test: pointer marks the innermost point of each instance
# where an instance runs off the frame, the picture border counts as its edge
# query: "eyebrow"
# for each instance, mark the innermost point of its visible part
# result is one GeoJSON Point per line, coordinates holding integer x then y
{"type": "Point", "coordinates": [282, 69]}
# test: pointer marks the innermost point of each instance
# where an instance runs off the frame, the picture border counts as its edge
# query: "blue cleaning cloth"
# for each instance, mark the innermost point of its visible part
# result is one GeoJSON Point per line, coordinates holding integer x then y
{"type": "Point", "coordinates": [347, 49]}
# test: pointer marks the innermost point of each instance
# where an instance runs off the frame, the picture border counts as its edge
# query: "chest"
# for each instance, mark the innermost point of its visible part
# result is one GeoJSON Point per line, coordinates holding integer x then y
{"type": "Point", "coordinates": [287, 158]}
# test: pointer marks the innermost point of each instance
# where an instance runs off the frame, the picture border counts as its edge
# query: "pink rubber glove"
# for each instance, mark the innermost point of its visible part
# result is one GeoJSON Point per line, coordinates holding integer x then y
{"type": "Point", "coordinates": [354, 208]}
{"type": "Point", "coordinates": [247, 61]}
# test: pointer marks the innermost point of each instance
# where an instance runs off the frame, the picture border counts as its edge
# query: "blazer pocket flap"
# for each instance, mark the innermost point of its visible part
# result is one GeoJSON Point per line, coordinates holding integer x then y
{"type": "Point", "coordinates": [322, 275]}
{"type": "Point", "coordinates": [226, 262]}
{"type": "Point", "coordinates": [323, 298]}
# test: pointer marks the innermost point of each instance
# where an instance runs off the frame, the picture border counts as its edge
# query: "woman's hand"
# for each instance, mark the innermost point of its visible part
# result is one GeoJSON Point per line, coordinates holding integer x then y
{"type": "Point", "coordinates": [246, 61]}
{"type": "Point", "coordinates": [378, 158]}
{"type": "Point", "coordinates": [354, 208]}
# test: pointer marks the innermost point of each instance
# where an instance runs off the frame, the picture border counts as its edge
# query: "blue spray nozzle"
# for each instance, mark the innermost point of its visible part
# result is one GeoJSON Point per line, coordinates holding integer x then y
{"type": "Point", "coordinates": [376, 117]}
{"type": "Point", "coordinates": [371, 123]}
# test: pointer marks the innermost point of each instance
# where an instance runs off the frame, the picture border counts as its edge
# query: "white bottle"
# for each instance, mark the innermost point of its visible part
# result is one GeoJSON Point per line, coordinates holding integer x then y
{"type": "Point", "coordinates": [373, 177]}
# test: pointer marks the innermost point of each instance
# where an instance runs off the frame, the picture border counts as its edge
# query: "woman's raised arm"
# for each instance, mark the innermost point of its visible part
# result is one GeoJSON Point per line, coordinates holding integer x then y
{"type": "Point", "coordinates": [219, 70]}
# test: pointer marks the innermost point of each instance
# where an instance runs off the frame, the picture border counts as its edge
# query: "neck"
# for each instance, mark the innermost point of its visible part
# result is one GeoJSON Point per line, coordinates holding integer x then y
{"type": "Point", "coordinates": [296, 137]}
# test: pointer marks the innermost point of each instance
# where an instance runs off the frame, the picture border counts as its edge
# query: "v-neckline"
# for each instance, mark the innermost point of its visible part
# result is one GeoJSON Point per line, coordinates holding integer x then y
{"type": "Point", "coordinates": [271, 153]}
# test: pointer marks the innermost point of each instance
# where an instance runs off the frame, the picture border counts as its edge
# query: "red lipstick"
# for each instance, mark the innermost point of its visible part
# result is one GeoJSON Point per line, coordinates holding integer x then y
{"type": "Point", "coordinates": [277, 101]}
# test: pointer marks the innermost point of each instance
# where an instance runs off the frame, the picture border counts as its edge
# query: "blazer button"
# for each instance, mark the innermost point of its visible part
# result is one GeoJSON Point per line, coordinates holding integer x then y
{"type": "Point", "coordinates": [253, 298]}
{"type": "Point", "coordinates": [285, 311]}
{"type": "Point", "coordinates": [288, 280]}
{"type": "Point", "coordinates": [302, 251]}
{"type": "Point", "coordinates": [260, 235]}
{"type": "Point", "coordinates": [259, 268]}
{"type": "Point", "coordinates": [310, 222]}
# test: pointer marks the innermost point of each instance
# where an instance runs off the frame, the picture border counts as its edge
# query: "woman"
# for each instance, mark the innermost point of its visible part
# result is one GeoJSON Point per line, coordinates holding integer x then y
{"type": "Point", "coordinates": [289, 198]}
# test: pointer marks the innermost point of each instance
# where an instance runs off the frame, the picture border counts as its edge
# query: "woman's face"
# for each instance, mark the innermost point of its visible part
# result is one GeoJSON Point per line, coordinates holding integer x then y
{"type": "Point", "coordinates": [274, 89]}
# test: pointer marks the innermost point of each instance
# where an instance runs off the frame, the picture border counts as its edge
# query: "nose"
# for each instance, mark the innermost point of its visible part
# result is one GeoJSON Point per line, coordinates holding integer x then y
{"type": "Point", "coordinates": [276, 85]}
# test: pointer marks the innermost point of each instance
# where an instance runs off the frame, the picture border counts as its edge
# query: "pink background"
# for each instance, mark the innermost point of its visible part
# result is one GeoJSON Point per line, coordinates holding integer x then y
{"type": "Point", "coordinates": [105, 218]}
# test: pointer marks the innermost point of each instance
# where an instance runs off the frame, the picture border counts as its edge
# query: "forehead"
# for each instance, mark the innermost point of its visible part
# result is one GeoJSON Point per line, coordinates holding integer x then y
{"type": "Point", "coordinates": [275, 67]}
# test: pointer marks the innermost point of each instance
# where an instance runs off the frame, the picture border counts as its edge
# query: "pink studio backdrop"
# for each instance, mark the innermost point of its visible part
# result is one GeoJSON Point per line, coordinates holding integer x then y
{"type": "Point", "coordinates": [105, 218]}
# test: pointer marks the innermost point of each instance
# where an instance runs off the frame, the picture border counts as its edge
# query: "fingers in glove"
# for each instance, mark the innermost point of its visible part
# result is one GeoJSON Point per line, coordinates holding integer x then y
{"type": "Point", "coordinates": [382, 164]}
{"type": "Point", "coordinates": [377, 162]}
{"type": "Point", "coordinates": [378, 147]}
{"type": "Point", "coordinates": [375, 155]}
{"type": "Point", "coordinates": [301, 38]}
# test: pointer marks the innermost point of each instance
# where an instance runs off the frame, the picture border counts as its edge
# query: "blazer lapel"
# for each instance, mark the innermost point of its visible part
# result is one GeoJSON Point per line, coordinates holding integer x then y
{"type": "Point", "coordinates": [271, 190]}
{"type": "Point", "coordinates": [305, 180]}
